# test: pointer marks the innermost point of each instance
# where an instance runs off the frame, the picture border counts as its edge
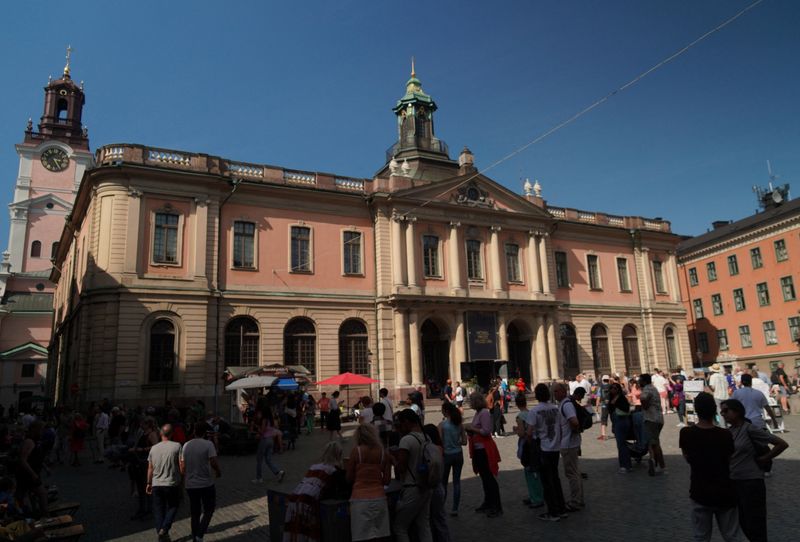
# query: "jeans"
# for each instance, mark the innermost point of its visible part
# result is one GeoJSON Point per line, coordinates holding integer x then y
{"type": "Point", "coordinates": [553, 495]}
{"type": "Point", "coordinates": [621, 426]}
{"type": "Point", "coordinates": [456, 462]}
{"type": "Point", "coordinates": [727, 521]}
{"type": "Point", "coordinates": [264, 453]}
{"type": "Point", "coordinates": [491, 490]}
{"type": "Point", "coordinates": [165, 506]}
{"type": "Point", "coordinates": [572, 473]}
{"type": "Point", "coordinates": [534, 483]}
{"type": "Point", "coordinates": [201, 499]}
{"type": "Point", "coordinates": [413, 512]}
{"type": "Point", "coordinates": [681, 410]}
{"type": "Point", "coordinates": [752, 495]}
{"type": "Point", "coordinates": [439, 530]}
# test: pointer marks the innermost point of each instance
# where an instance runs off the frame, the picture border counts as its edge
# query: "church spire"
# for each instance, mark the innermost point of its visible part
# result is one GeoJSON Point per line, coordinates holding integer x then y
{"type": "Point", "coordinates": [66, 66]}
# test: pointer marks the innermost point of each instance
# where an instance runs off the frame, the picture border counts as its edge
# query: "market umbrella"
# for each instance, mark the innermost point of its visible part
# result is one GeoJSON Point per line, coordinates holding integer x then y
{"type": "Point", "coordinates": [286, 383]}
{"type": "Point", "coordinates": [346, 379]}
{"type": "Point", "coordinates": [250, 382]}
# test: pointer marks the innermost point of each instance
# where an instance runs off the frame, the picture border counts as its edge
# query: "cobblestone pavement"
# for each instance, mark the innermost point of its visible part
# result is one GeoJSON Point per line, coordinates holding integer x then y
{"type": "Point", "coordinates": [619, 507]}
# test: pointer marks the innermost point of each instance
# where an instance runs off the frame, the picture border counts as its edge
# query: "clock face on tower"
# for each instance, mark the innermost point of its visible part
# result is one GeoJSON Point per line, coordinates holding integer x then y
{"type": "Point", "coordinates": [55, 159]}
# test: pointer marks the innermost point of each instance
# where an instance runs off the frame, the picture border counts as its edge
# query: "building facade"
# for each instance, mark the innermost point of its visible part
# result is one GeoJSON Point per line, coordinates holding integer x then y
{"type": "Point", "coordinates": [175, 266]}
{"type": "Point", "coordinates": [739, 282]}
{"type": "Point", "coordinates": [52, 161]}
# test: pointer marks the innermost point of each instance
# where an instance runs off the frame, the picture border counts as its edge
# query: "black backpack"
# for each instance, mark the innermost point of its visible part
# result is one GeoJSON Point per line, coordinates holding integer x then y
{"type": "Point", "coordinates": [585, 420]}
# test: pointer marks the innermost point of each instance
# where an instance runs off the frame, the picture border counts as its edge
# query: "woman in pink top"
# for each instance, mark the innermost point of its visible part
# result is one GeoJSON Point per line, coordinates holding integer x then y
{"type": "Point", "coordinates": [369, 470]}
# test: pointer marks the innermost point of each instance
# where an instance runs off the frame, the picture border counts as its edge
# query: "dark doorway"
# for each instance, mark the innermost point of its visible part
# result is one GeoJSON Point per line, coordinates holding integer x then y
{"type": "Point", "coordinates": [630, 346]}
{"type": "Point", "coordinates": [519, 354]}
{"type": "Point", "coordinates": [435, 358]}
{"type": "Point", "coordinates": [569, 348]}
{"type": "Point", "coordinates": [600, 354]}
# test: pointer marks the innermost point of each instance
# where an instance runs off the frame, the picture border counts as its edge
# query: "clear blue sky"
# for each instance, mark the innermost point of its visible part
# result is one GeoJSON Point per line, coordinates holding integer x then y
{"type": "Point", "coordinates": [310, 85]}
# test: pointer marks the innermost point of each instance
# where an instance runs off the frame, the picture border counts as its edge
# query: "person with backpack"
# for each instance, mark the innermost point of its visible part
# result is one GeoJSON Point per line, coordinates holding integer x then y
{"type": "Point", "coordinates": [570, 444]}
{"type": "Point", "coordinates": [535, 497]}
{"type": "Point", "coordinates": [485, 456]}
{"type": "Point", "coordinates": [440, 532]}
{"type": "Point", "coordinates": [413, 458]}
{"type": "Point", "coordinates": [451, 431]}
{"type": "Point", "coordinates": [544, 429]}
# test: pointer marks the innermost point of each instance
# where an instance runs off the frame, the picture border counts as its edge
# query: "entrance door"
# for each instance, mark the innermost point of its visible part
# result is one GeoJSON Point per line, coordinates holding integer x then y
{"type": "Point", "coordinates": [630, 345]}
{"type": "Point", "coordinates": [519, 355]}
{"type": "Point", "coordinates": [435, 358]}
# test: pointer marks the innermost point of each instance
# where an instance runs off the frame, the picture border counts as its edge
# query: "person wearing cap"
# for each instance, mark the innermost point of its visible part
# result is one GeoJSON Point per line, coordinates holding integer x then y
{"type": "Point", "coordinates": [602, 405]}
{"type": "Point", "coordinates": [719, 385]}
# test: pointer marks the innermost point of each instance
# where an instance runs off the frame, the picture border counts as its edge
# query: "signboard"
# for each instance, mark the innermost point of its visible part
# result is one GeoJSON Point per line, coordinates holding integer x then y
{"type": "Point", "coordinates": [694, 386]}
{"type": "Point", "coordinates": [481, 335]}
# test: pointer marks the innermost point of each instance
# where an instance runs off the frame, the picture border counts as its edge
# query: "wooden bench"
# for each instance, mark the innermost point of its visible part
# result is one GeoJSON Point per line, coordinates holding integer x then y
{"type": "Point", "coordinates": [65, 534]}
{"type": "Point", "coordinates": [54, 522]}
{"type": "Point", "coordinates": [61, 508]}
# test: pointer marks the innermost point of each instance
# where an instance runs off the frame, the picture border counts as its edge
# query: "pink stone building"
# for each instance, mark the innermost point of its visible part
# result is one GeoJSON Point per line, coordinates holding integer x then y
{"type": "Point", "coordinates": [52, 161]}
{"type": "Point", "coordinates": [175, 266]}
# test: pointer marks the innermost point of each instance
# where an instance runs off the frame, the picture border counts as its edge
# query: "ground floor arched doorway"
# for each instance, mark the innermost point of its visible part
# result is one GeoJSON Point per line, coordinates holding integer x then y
{"type": "Point", "coordinates": [435, 358]}
{"type": "Point", "coordinates": [519, 353]}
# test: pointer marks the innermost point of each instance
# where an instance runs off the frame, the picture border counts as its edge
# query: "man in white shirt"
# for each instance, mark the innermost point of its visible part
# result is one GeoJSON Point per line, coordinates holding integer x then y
{"type": "Point", "coordinates": [163, 481]}
{"type": "Point", "coordinates": [383, 393]}
{"type": "Point", "coordinates": [718, 384]}
{"type": "Point", "coordinates": [660, 384]}
{"type": "Point", "coordinates": [754, 403]}
{"type": "Point", "coordinates": [413, 506]}
{"type": "Point", "coordinates": [759, 384]}
{"type": "Point", "coordinates": [198, 457]}
{"type": "Point", "coordinates": [544, 426]}
{"type": "Point", "coordinates": [366, 415]}
{"type": "Point", "coordinates": [101, 421]}
{"type": "Point", "coordinates": [570, 445]}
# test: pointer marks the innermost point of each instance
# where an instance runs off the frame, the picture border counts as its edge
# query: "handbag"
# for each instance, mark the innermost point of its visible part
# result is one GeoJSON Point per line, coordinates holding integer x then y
{"type": "Point", "coordinates": [758, 451]}
{"type": "Point", "coordinates": [531, 453]}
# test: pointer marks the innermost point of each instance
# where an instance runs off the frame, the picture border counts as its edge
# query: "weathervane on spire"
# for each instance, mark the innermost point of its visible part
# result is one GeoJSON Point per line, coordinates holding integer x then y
{"type": "Point", "coordinates": [69, 54]}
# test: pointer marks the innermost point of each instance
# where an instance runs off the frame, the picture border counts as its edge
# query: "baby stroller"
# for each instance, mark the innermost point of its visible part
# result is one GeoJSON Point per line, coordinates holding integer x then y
{"type": "Point", "coordinates": [636, 440]}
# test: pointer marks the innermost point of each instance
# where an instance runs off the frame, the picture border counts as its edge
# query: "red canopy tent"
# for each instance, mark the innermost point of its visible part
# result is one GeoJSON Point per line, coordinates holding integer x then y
{"type": "Point", "coordinates": [346, 379]}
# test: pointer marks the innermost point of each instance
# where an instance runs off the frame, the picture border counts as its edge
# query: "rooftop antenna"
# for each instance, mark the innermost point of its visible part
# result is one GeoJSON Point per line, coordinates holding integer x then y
{"type": "Point", "coordinates": [772, 176]}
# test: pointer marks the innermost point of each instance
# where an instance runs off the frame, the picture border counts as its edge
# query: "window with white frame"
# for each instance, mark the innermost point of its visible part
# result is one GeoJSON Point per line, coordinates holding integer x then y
{"type": "Point", "coordinates": [165, 238]}
{"type": "Point", "coordinates": [351, 250]}
{"type": "Point", "coordinates": [755, 258]}
{"type": "Point", "coordinates": [770, 335]}
{"type": "Point", "coordinates": [711, 268]}
{"type": "Point", "coordinates": [624, 278]}
{"type": "Point", "coordinates": [593, 270]}
{"type": "Point", "coordinates": [430, 256]}
{"type": "Point", "coordinates": [738, 299]}
{"type": "Point", "coordinates": [787, 287]}
{"type": "Point", "coordinates": [698, 308]}
{"type": "Point", "coordinates": [794, 328]}
{"type": "Point", "coordinates": [744, 336]}
{"type": "Point", "coordinates": [716, 304]}
{"type": "Point", "coordinates": [301, 249]}
{"type": "Point", "coordinates": [512, 262]}
{"type": "Point", "coordinates": [781, 254]}
{"type": "Point", "coordinates": [658, 275]}
{"type": "Point", "coordinates": [474, 263]}
{"type": "Point", "coordinates": [733, 265]}
{"type": "Point", "coordinates": [693, 280]}
{"type": "Point", "coordinates": [762, 292]}
{"type": "Point", "coordinates": [244, 241]}
{"type": "Point", "coordinates": [722, 339]}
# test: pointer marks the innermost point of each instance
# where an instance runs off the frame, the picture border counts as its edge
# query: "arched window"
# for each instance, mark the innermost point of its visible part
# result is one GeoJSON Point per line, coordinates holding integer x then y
{"type": "Point", "coordinates": [53, 250]}
{"type": "Point", "coordinates": [353, 351]}
{"type": "Point", "coordinates": [671, 343]}
{"type": "Point", "coordinates": [36, 249]}
{"type": "Point", "coordinates": [299, 344]}
{"type": "Point", "coordinates": [600, 354]}
{"type": "Point", "coordinates": [569, 346]}
{"type": "Point", "coordinates": [241, 342]}
{"type": "Point", "coordinates": [62, 109]}
{"type": "Point", "coordinates": [162, 351]}
{"type": "Point", "coordinates": [630, 347]}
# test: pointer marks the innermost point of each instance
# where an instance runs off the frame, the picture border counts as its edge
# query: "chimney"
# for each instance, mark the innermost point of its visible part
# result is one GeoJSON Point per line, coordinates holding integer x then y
{"type": "Point", "coordinates": [717, 224]}
{"type": "Point", "coordinates": [466, 162]}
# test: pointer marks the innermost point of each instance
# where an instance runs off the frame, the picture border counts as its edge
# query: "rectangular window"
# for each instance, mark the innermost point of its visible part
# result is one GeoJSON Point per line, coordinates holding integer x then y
{"type": "Point", "coordinates": [711, 268]}
{"type": "Point", "coordinates": [430, 256]}
{"type": "Point", "coordinates": [794, 328]}
{"type": "Point", "coordinates": [722, 338]}
{"type": "Point", "coordinates": [244, 237]}
{"type": "Point", "coordinates": [165, 238]}
{"type": "Point", "coordinates": [562, 273]}
{"type": "Point", "coordinates": [716, 304]}
{"type": "Point", "coordinates": [744, 336]}
{"type": "Point", "coordinates": [622, 271]}
{"type": "Point", "coordinates": [351, 249]}
{"type": "Point", "coordinates": [693, 281]}
{"type": "Point", "coordinates": [787, 287]}
{"type": "Point", "coordinates": [698, 308]}
{"type": "Point", "coordinates": [512, 262]}
{"type": "Point", "coordinates": [762, 292]}
{"type": "Point", "coordinates": [770, 335]}
{"type": "Point", "coordinates": [593, 265]}
{"type": "Point", "coordinates": [301, 249]}
{"type": "Point", "coordinates": [658, 274]}
{"type": "Point", "coordinates": [781, 254]}
{"type": "Point", "coordinates": [28, 370]}
{"type": "Point", "coordinates": [738, 299]}
{"type": "Point", "coordinates": [474, 264]}
{"type": "Point", "coordinates": [702, 339]}
{"type": "Point", "coordinates": [733, 265]}
{"type": "Point", "coordinates": [755, 258]}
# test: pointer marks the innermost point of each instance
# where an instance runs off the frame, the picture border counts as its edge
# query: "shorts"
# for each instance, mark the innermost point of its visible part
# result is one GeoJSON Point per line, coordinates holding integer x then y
{"type": "Point", "coordinates": [604, 415]}
{"type": "Point", "coordinates": [652, 431]}
{"type": "Point", "coordinates": [782, 391]}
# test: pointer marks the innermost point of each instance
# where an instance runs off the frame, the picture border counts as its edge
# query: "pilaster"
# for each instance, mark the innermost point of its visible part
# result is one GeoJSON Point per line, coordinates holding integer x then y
{"type": "Point", "coordinates": [454, 250]}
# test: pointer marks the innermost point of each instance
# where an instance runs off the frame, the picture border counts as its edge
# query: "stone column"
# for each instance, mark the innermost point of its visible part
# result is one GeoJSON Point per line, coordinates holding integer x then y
{"type": "Point", "coordinates": [398, 275]}
{"type": "Point", "coordinates": [411, 251]}
{"type": "Point", "coordinates": [461, 345]}
{"type": "Point", "coordinates": [552, 347]}
{"type": "Point", "coordinates": [647, 274]}
{"type": "Point", "coordinates": [534, 280]}
{"type": "Point", "coordinates": [494, 255]}
{"type": "Point", "coordinates": [199, 233]}
{"type": "Point", "coordinates": [402, 365]}
{"type": "Point", "coordinates": [454, 249]}
{"type": "Point", "coordinates": [414, 345]}
{"type": "Point", "coordinates": [544, 265]}
{"type": "Point", "coordinates": [672, 274]}
{"type": "Point", "coordinates": [540, 346]}
{"type": "Point", "coordinates": [502, 337]}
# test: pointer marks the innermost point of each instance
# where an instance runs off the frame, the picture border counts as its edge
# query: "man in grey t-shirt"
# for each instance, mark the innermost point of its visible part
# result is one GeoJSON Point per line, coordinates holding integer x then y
{"type": "Point", "coordinates": [198, 457]}
{"type": "Point", "coordinates": [163, 481]}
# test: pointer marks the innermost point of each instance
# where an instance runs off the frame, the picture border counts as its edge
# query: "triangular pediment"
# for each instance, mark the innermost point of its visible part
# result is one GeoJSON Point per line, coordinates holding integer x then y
{"type": "Point", "coordinates": [42, 201]}
{"type": "Point", "coordinates": [25, 351]}
{"type": "Point", "coordinates": [472, 191]}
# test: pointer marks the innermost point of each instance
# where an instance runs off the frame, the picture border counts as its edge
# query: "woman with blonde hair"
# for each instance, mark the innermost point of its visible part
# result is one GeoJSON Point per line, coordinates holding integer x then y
{"type": "Point", "coordinates": [369, 470]}
{"type": "Point", "coordinates": [324, 480]}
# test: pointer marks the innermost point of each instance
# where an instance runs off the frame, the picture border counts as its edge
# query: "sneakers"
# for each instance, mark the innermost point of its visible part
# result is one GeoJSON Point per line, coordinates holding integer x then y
{"type": "Point", "coordinates": [548, 517]}
{"type": "Point", "coordinates": [660, 471]}
{"type": "Point", "coordinates": [623, 470]}
{"type": "Point", "coordinates": [257, 481]}
{"type": "Point", "coordinates": [281, 475]}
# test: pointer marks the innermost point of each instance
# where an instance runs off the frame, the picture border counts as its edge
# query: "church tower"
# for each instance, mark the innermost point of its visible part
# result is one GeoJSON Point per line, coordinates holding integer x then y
{"type": "Point", "coordinates": [52, 160]}
{"type": "Point", "coordinates": [418, 153]}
